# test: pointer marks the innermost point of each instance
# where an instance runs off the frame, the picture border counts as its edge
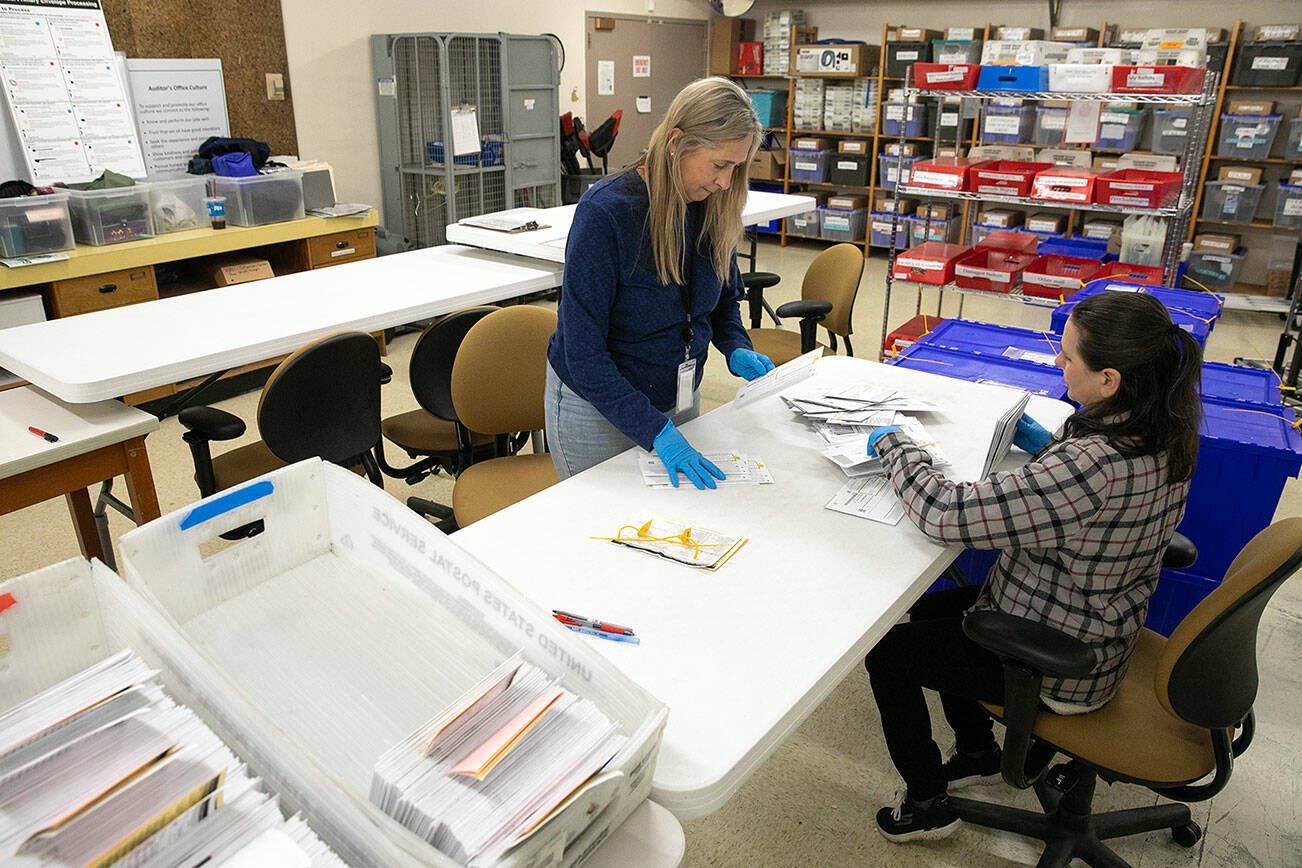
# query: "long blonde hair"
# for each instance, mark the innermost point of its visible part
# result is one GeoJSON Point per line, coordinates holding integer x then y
{"type": "Point", "coordinates": [710, 112]}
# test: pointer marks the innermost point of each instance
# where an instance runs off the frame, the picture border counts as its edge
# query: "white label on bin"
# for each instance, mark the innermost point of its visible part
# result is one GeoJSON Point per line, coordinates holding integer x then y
{"type": "Point", "coordinates": [1146, 78]}
{"type": "Point", "coordinates": [1057, 281]}
{"type": "Point", "coordinates": [992, 274]}
{"type": "Point", "coordinates": [1179, 123]}
{"type": "Point", "coordinates": [935, 179]}
{"type": "Point", "coordinates": [955, 74]}
{"type": "Point", "coordinates": [1254, 130]}
{"type": "Point", "coordinates": [1111, 132]}
{"type": "Point", "coordinates": [1047, 181]}
{"type": "Point", "coordinates": [1002, 125]}
{"type": "Point", "coordinates": [1293, 207]}
{"type": "Point", "coordinates": [1114, 118]}
{"type": "Point", "coordinates": [1276, 63]}
{"type": "Point", "coordinates": [894, 112]}
{"type": "Point", "coordinates": [807, 167]}
{"type": "Point", "coordinates": [841, 223]}
{"type": "Point", "coordinates": [906, 55]}
{"type": "Point", "coordinates": [847, 165]}
{"type": "Point", "coordinates": [1029, 356]}
{"type": "Point", "coordinates": [923, 264]}
{"type": "Point", "coordinates": [1053, 120]}
{"type": "Point", "coordinates": [1129, 200]}
{"type": "Point", "coordinates": [1231, 189]}
{"type": "Point", "coordinates": [949, 119]}
{"type": "Point", "coordinates": [995, 190]}
{"type": "Point", "coordinates": [347, 251]}
{"type": "Point", "coordinates": [1121, 287]}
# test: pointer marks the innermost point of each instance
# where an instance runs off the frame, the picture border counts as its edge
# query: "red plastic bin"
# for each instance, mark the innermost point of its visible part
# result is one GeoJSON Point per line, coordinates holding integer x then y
{"type": "Point", "coordinates": [1054, 276]}
{"type": "Point", "coordinates": [991, 269]}
{"type": "Point", "coordinates": [946, 76]}
{"type": "Point", "coordinates": [944, 173]}
{"type": "Point", "coordinates": [1138, 188]}
{"type": "Point", "coordinates": [1149, 275]}
{"type": "Point", "coordinates": [931, 262]}
{"type": "Point", "coordinates": [1012, 240]}
{"type": "Point", "coordinates": [1157, 79]}
{"type": "Point", "coordinates": [909, 332]}
{"type": "Point", "coordinates": [1006, 177]}
{"type": "Point", "coordinates": [1065, 184]}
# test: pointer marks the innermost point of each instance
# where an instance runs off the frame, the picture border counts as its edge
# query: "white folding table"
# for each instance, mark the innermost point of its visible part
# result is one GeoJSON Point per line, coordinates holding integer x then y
{"type": "Point", "coordinates": [741, 656]}
{"type": "Point", "coordinates": [549, 243]}
{"type": "Point", "coordinates": [128, 349]}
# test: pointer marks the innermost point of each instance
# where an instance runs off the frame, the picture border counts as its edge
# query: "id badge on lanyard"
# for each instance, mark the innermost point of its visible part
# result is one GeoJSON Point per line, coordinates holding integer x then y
{"type": "Point", "coordinates": [686, 370]}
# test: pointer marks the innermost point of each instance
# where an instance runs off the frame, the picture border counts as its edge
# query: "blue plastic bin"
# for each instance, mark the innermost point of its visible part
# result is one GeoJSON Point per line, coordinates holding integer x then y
{"type": "Point", "coordinates": [1195, 311]}
{"type": "Point", "coordinates": [770, 105]}
{"type": "Point", "coordinates": [1176, 595]}
{"type": "Point", "coordinates": [879, 230]}
{"type": "Point", "coordinates": [1007, 124]}
{"type": "Point", "coordinates": [1077, 246]}
{"type": "Point", "coordinates": [1195, 325]}
{"type": "Point", "coordinates": [888, 165]}
{"type": "Point", "coordinates": [1014, 78]}
{"type": "Point", "coordinates": [1003, 342]}
{"type": "Point", "coordinates": [1245, 455]}
{"type": "Point", "coordinates": [1036, 379]}
{"type": "Point", "coordinates": [489, 155]}
{"type": "Point", "coordinates": [1241, 385]}
{"type": "Point", "coordinates": [809, 165]}
{"type": "Point", "coordinates": [912, 116]}
{"type": "Point", "coordinates": [1120, 129]}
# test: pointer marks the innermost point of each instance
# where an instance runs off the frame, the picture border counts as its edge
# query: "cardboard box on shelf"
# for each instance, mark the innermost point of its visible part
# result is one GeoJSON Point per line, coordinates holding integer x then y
{"type": "Point", "coordinates": [811, 143]}
{"type": "Point", "coordinates": [852, 146]}
{"type": "Point", "coordinates": [1001, 217]}
{"type": "Point", "coordinates": [908, 149]}
{"type": "Point", "coordinates": [839, 60]}
{"type": "Point", "coordinates": [725, 35]}
{"type": "Point", "coordinates": [1106, 162]}
{"type": "Point", "coordinates": [1064, 157]}
{"type": "Point", "coordinates": [1220, 243]}
{"type": "Point", "coordinates": [230, 270]}
{"type": "Point", "coordinates": [961, 32]}
{"type": "Point", "coordinates": [768, 165]}
{"type": "Point", "coordinates": [1240, 174]}
{"type": "Point", "coordinates": [936, 211]}
{"type": "Point", "coordinates": [887, 203]}
{"type": "Point", "coordinates": [1101, 228]}
{"type": "Point", "coordinates": [1150, 162]}
{"type": "Point", "coordinates": [1277, 33]}
{"type": "Point", "coordinates": [1131, 35]}
{"type": "Point", "coordinates": [1074, 34]}
{"type": "Point", "coordinates": [1042, 221]}
{"type": "Point", "coordinates": [847, 203]}
{"type": "Point", "coordinates": [1018, 34]}
{"type": "Point", "coordinates": [1295, 176]}
{"type": "Point", "coordinates": [914, 34]}
{"type": "Point", "coordinates": [1021, 153]}
{"type": "Point", "coordinates": [1252, 106]}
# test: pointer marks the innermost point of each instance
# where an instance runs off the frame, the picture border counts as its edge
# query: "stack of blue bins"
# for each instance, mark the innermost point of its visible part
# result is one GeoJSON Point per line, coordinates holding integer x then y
{"type": "Point", "coordinates": [1195, 312]}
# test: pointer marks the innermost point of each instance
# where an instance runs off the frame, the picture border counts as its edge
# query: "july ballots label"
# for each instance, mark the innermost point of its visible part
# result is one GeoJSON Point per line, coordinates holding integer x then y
{"type": "Point", "coordinates": [686, 386]}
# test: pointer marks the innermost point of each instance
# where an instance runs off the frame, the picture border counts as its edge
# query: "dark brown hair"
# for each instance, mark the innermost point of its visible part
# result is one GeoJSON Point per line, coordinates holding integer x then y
{"type": "Point", "coordinates": [1157, 409]}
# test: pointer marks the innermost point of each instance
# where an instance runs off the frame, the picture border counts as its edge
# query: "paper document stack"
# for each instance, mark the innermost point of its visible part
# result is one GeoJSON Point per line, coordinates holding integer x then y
{"type": "Point", "coordinates": [477, 779]}
{"type": "Point", "coordinates": [851, 455]}
{"type": "Point", "coordinates": [738, 469]}
{"type": "Point", "coordinates": [104, 767]}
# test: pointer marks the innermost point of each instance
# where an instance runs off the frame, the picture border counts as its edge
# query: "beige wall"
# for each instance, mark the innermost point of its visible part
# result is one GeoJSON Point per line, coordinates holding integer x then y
{"type": "Point", "coordinates": [328, 43]}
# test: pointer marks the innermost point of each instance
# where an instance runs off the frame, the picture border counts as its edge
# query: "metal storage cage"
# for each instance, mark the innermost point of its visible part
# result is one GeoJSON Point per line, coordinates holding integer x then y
{"type": "Point", "coordinates": [420, 79]}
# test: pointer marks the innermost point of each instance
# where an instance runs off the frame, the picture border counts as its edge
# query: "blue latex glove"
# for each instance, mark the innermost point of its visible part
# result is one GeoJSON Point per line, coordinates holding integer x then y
{"type": "Point", "coordinates": [679, 457]}
{"type": "Point", "coordinates": [748, 364]}
{"type": "Point", "coordinates": [879, 433]}
{"type": "Point", "coordinates": [1031, 436]}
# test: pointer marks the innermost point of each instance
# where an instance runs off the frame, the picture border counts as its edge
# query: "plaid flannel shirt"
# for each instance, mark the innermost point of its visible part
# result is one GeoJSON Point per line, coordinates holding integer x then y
{"type": "Point", "coordinates": [1082, 529]}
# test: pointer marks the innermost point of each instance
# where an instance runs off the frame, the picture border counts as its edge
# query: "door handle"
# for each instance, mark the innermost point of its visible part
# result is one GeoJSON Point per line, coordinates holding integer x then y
{"type": "Point", "coordinates": [108, 287]}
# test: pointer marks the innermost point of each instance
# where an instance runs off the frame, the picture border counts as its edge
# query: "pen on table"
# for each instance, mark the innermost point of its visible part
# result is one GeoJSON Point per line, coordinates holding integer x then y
{"type": "Point", "coordinates": [602, 634]}
{"type": "Point", "coordinates": [50, 438]}
{"type": "Point", "coordinates": [571, 619]}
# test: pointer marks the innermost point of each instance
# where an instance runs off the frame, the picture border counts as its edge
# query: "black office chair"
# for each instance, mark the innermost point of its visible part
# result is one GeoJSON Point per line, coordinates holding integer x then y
{"type": "Point", "coordinates": [756, 282]}
{"type": "Point", "coordinates": [1170, 726]}
{"type": "Point", "coordinates": [321, 401]}
{"type": "Point", "coordinates": [432, 434]}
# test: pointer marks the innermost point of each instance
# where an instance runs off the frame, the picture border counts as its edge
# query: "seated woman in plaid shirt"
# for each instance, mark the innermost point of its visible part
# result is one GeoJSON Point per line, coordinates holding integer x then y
{"type": "Point", "coordinates": [1082, 526]}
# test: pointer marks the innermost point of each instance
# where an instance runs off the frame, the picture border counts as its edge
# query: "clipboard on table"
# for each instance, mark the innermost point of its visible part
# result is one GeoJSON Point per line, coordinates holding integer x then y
{"type": "Point", "coordinates": [510, 222]}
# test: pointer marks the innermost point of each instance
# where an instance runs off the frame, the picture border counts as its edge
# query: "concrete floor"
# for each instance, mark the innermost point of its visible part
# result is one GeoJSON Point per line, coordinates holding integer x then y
{"type": "Point", "coordinates": [812, 802]}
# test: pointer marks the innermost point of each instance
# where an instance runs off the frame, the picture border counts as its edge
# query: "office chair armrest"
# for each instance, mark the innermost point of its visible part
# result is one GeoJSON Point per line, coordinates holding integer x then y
{"type": "Point", "coordinates": [1038, 646]}
{"type": "Point", "coordinates": [806, 308]}
{"type": "Point", "coordinates": [209, 423]}
{"type": "Point", "coordinates": [1180, 554]}
{"type": "Point", "coordinates": [386, 374]}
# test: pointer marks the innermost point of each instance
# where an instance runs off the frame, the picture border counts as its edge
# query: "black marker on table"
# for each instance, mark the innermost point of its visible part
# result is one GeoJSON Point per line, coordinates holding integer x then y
{"type": "Point", "coordinates": [50, 438]}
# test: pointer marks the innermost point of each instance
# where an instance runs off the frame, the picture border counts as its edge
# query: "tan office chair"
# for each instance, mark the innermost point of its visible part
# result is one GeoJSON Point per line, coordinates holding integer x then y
{"type": "Point", "coordinates": [826, 298]}
{"type": "Point", "coordinates": [498, 380]}
{"type": "Point", "coordinates": [1170, 726]}
{"type": "Point", "coordinates": [321, 401]}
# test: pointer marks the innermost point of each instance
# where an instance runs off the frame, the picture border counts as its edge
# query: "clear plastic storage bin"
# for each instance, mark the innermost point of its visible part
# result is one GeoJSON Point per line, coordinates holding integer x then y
{"type": "Point", "coordinates": [1050, 123]}
{"type": "Point", "coordinates": [34, 224]}
{"type": "Point", "coordinates": [807, 225]}
{"type": "Point", "coordinates": [1216, 271]}
{"type": "Point", "coordinates": [176, 202]}
{"type": "Point", "coordinates": [879, 230]}
{"type": "Point", "coordinates": [1007, 124]}
{"type": "Point", "coordinates": [1231, 202]}
{"type": "Point", "coordinates": [261, 199]}
{"type": "Point", "coordinates": [1248, 137]}
{"type": "Point", "coordinates": [1294, 149]}
{"type": "Point", "coordinates": [810, 166]}
{"type": "Point", "coordinates": [911, 116]}
{"type": "Point", "coordinates": [1120, 129]}
{"type": "Point", "coordinates": [843, 225]}
{"type": "Point", "coordinates": [1288, 206]}
{"type": "Point", "coordinates": [956, 50]}
{"type": "Point", "coordinates": [110, 216]}
{"type": "Point", "coordinates": [1170, 130]}
{"type": "Point", "coordinates": [888, 170]}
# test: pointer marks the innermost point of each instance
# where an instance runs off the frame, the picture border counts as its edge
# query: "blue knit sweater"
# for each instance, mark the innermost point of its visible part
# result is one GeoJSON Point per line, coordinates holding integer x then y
{"type": "Point", "coordinates": [620, 337]}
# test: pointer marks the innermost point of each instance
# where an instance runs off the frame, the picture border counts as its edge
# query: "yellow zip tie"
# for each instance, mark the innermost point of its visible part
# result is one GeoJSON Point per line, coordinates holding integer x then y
{"type": "Point", "coordinates": [1297, 424]}
{"type": "Point", "coordinates": [1220, 302]}
{"type": "Point", "coordinates": [643, 534]}
{"type": "Point", "coordinates": [1048, 340]}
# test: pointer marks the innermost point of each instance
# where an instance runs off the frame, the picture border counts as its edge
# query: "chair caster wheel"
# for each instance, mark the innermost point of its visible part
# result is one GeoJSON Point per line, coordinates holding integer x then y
{"type": "Point", "coordinates": [1187, 835]}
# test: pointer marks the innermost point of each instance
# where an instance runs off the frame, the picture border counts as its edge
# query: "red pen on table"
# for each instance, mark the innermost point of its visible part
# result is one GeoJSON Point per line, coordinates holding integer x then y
{"type": "Point", "coordinates": [50, 438]}
{"type": "Point", "coordinates": [581, 621]}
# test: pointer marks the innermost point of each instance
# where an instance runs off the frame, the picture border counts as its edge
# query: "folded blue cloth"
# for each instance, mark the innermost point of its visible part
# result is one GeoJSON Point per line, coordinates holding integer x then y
{"type": "Point", "coordinates": [234, 165]}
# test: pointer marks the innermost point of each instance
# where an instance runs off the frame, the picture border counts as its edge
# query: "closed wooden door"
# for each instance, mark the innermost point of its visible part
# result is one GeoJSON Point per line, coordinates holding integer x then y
{"type": "Point", "coordinates": [677, 49]}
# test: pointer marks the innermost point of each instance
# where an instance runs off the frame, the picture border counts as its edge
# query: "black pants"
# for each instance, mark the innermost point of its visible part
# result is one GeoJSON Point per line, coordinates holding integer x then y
{"type": "Point", "coordinates": [931, 651]}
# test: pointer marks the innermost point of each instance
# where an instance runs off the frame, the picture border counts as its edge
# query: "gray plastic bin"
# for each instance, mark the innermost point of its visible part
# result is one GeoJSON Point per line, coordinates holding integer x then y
{"type": "Point", "coordinates": [1231, 202]}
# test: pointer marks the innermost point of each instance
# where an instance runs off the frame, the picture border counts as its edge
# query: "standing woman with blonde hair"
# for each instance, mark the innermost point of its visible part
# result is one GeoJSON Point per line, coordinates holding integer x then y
{"type": "Point", "coordinates": [651, 279]}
